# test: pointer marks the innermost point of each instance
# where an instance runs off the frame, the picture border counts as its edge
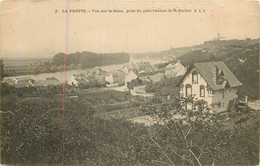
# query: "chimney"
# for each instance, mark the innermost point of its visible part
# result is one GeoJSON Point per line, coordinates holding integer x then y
{"type": "Point", "coordinates": [215, 74]}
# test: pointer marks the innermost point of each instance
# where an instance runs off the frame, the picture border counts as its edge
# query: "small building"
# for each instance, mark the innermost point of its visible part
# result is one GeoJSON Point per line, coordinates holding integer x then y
{"type": "Point", "coordinates": [212, 82]}
{"type": "Point", "coordinates": [130, 76]}
{"type": "Point", "coordinates": [174, 70]}
{"type": "Point", "coordinates": [115, 78]}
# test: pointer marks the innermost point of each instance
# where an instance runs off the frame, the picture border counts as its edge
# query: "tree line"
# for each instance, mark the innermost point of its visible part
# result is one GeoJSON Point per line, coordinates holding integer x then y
{"type": "Point", "coordinates": [85, 59]}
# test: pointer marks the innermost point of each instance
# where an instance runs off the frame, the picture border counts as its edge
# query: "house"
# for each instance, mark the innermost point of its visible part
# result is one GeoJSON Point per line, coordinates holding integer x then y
{"type": "Point", "coordinates": [211, 81]}
{"type": "Point", "coordinates": [115, 78]}
{"type": "Point", "coordinates": [174, 70]}
{"type": "Point", "coordinates": [130, 76]}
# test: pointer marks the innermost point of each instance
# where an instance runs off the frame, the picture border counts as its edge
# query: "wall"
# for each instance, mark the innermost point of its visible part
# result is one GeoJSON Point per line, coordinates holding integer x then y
{"type": "Point", "coordinates": [196, 87]}
{"type": "Point", "coordinates": [221, 104]}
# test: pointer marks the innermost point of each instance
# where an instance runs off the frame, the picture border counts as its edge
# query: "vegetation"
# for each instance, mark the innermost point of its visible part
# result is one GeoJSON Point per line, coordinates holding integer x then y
{"type": "Point", "coordinates": [135, 82]}
{"type": "Point", "coordinates": [33, 130]}
{"type": "Point", "coordinates": [166, 87]}
{"type": "Point", "coordinates": [91, 84]}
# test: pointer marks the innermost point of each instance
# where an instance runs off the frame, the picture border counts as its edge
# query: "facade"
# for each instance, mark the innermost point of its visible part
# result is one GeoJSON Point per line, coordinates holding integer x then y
{"type": "Point", "coordinates": [212, 82]}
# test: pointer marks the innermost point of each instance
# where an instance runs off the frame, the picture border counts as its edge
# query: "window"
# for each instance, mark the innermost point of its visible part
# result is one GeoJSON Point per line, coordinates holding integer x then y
{"type": "Point", "coordinates": [202, 91]}
{"type": "Point", "coordinates": [195, 77]}
{"type": "Point", "coordinates": [223, 93]}
{"type": "Point", "coordinates": [188, 90]}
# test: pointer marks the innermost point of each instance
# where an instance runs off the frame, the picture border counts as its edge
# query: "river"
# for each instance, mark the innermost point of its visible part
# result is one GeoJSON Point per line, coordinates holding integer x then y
{"type": "Point", "coordinates": [69, 74]}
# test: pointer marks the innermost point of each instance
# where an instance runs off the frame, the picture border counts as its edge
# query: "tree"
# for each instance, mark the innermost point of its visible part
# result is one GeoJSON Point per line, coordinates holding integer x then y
{"type": "Point", "coordinates": [133, 83]}
{"type": "Point", "coordinates": [200, 137]}
{"type": "Point", "coordinates": [2, 72]}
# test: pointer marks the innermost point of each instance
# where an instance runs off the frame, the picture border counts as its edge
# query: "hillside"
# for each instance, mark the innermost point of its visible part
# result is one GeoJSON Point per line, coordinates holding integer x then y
{"type": "Point", "coordinates": [241, 56]}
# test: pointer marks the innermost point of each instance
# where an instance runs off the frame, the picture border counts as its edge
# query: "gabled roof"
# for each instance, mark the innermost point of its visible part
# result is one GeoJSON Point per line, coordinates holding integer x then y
{"type": "Point", "coordinates": [206, 69]}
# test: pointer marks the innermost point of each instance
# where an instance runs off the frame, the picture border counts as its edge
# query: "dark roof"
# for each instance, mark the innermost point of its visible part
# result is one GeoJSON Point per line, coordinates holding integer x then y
{"type": "Point", "coordinates": [206, 69]}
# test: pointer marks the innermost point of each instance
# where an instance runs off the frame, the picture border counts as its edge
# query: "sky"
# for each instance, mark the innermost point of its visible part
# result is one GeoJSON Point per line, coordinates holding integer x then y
{"type": "Point", "coordinates": [33, 29]}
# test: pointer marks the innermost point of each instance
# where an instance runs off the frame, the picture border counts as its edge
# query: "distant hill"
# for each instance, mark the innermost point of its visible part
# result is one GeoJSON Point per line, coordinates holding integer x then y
{"type": "Point", "coordinates": [85, 60]}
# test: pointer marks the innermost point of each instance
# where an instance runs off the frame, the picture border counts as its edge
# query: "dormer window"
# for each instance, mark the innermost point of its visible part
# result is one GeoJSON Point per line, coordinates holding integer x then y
{"type": "Point", "coordinates": [194, 77]}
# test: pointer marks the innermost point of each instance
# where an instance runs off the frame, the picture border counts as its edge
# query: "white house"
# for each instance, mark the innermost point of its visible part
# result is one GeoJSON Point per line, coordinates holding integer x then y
{"type": "Point", "coordinates": [175, 70]}
{"type": "Point", "coordinates": [212, 82]}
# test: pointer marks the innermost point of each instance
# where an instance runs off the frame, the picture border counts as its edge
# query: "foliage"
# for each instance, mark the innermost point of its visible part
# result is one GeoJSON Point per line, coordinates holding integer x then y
{"type": "Point", "coordinates": [180, 136]}
{"type": "Point", "coordinates": [165, 87]}
{"type": "Point", "coordinates": [91, 84]}
{"type": "Point", "coordinates": [133, 83]}
{"type": "Point", "coordinates": [200, 137]}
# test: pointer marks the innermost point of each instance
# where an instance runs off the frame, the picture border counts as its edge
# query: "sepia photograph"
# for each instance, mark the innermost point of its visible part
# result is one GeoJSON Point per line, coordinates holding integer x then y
{"type": "Point", "coordinates": [129, 83]}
